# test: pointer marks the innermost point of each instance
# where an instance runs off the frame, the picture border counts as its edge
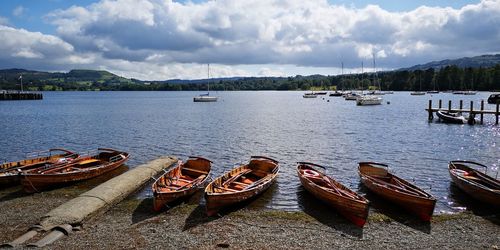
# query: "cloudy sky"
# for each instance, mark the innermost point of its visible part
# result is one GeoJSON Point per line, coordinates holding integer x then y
{"type": "Point", "coordinates": [166, 39]}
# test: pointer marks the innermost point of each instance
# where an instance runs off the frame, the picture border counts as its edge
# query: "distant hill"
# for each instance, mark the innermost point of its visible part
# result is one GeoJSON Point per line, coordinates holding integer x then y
{"type": "Point", "coordinates": [78, 79]}
{"type": "Point", "coordinates": [465, 62]}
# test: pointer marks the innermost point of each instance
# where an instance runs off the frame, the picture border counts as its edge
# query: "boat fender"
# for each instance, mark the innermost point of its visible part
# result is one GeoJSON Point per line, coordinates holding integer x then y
{"type": "Point", "coordinates": [311, 173]}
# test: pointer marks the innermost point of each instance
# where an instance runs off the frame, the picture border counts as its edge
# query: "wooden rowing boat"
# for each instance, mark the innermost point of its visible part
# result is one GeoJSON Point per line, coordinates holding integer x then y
{"type": "Point", "coordinates": [181, 181]}
{"type": "Point", "coordinates": [376, 177]}
{"type": "Point", "coordinates": [85, 167]}
{"type": "Point", "coordinates": [10, 172]}
{"type": "Point", "coordinates": [476, 184]}
{"type": "Point", "coordinates": [347, 202]}
{"type": "Point", "coordinates": [241, 183]}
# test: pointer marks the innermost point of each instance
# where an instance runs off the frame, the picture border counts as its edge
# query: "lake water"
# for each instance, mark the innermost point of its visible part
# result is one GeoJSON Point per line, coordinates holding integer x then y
{"type": "Point", "coordinates": [282, 125]}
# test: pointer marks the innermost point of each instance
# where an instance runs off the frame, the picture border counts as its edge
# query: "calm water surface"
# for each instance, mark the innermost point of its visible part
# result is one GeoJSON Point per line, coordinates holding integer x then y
{"type": "Point", "coordinates": [282, 125]}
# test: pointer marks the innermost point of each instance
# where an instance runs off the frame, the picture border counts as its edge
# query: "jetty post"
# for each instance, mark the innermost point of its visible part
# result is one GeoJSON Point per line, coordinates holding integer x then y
{"type": "Point", "coordinates": [496, 114]}
{"type": "Point", "coordinates": [461, 105]}
{"type": "Point", "coordinates": [430, 110]}
{"type": "Point", "coordinates": [440, 103]}
{"type": "Point", "coordinates": [482, 109]}
{"type": "Point", "coordinates": [449, 106]}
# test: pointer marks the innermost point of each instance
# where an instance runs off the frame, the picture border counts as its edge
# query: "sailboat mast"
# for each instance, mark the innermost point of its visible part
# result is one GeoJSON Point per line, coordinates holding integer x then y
{"type": "Point", "coordinates": [208, 79]}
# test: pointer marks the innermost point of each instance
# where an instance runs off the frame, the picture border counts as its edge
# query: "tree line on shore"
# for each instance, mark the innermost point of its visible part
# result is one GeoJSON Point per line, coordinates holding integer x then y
{"type": "Point", "coordinates": [447, 78]}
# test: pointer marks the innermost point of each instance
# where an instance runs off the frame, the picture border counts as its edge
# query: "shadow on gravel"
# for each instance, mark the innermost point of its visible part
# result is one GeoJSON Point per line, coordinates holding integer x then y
{"type": "Point", "coordinates": [395, 212]}
{"type": "Point", "coordinates": [325, 214]}
{"type": "Point", "coordinates": [199, 216]}
{"type": "Point", "coordinates": [143, 211]}
{"type": "Point", "coordinates": [12, 193]}
{"type": "Point", "coordinates": [476, 207]}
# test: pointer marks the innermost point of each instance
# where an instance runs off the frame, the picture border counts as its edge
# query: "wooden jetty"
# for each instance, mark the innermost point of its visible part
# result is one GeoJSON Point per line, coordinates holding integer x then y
{"type": "Point", "coordinates": [20, 95]}
{"type": "Point", "coordinates": [472, 112]}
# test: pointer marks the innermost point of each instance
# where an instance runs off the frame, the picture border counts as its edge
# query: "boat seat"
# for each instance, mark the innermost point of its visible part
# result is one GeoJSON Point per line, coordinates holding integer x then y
{"type": "Point", "coordinates": [195, 170]}
{"type": "Point", "coordinates": [227, 189]}
{"type": "Point", "coordinates": [240, 183]}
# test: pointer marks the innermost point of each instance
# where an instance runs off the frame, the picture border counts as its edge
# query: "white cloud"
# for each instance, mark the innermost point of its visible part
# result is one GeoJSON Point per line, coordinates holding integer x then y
{"type": "Point", "coordinates": [18, 11]}
{"type": "Point", "coordinates": [161, 38]}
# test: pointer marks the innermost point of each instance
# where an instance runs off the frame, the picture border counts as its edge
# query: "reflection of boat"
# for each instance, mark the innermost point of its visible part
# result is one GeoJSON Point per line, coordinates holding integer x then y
{"type": "Point", "coordinates": [376, 177]}
{"type": "Point", "coordinates": [364, 100]}
{"type": "Point", "coordinates": [206, 97]}
{"type": "Point", "coordinates": [451, 117]}
{"type": "Point", "coordinates": [10, 172]}
{"type": "Point", "coordinates": [181, 181]}
{"type": "Point", "coordinates": [241, 183]}
{"type": "Point", "coordinates": [84, 167]}
{"type": "Point", "coordinates": [348, 203]}
{"type": "Point", "coordinates": [476, 184]}
{"type": "Point", "coordinates": [494, 99]}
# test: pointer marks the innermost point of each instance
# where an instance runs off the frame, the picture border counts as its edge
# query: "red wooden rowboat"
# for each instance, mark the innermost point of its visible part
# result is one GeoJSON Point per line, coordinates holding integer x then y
{"type": "Point", "coordinates": [376, 177]}
{"type": "Point", "coordinates": [183, 180]}
{"type": "Point", "coordinates": [241, 183]}
{"type": "Point", "coordinates": [476, 184]}
{"type": "Point", "coordinates": [10, 172]}
{"type": "Point", "coordinates": [85, 167]}
{"type": "Point", "coordinates": [347, 202]}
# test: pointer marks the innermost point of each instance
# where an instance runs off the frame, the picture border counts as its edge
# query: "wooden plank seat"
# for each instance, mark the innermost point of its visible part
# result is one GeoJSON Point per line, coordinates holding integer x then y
{"type": "Point", "coordinates": [195, 170]}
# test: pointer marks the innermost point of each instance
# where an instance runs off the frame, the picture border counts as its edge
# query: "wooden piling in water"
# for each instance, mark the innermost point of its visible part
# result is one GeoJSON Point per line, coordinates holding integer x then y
{"type": "Point", "coordinates": [482, 109]}
{"type": "Point", "coordinates": [470, 110]}
{"type": "Point", "coordinates": [496, 114]}
{"type": "Point", "coordinates": [440, 103]}
{"type": "Point", "coordinates": [430, 110]}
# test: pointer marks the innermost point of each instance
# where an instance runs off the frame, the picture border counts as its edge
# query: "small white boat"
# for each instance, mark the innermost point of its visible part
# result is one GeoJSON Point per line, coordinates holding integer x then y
{"type": "Point", "coordinates": [417, 93]}
{"type": "Point", "coordinates": [451, 117]}
{"type": "Point", "coordinates": [364, 100]}
{"type": "Point", "coordinates": [310, 95]}
{"type": "Point", "coordinates": [469, 92]}
{"type": "Point", "coordinates": [206, 97]}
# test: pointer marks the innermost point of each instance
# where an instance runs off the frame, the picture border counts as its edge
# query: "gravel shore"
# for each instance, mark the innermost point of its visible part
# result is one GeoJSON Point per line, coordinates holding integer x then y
{"type": "Point", "coordinates": [132, 224]}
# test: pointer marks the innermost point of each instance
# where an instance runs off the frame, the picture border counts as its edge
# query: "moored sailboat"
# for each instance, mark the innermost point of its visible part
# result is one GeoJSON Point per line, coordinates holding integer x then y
{"type": "Point", "coordinates": [206, 97]}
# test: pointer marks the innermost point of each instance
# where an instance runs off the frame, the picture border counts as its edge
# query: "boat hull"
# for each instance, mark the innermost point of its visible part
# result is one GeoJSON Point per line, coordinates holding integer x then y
{"type": "Point", "coordinates": [354, 210]}
{"type": "Point", "coordinates": [449, 118]}
{"type": "Point", "coordinates": [494, 99]}
{"type": "Point", "coordinates": [422, 206]}
{"type": "Point", "coordinates": [205, 99]}
{"type": "Point", "coordinates": [215, 202]}
{"type": "Point", "coordinates": [475, 191]}
{"type": "Point", "coordinates": [266, 168]}
{"type": "Point", "coordinates": [33, 182]}
{"type": "Point", "coordinates": [10, 173]}
{"type": "Point", "coordinates": [164, 197]}
{"type": "Point", "coordinates": [368, 100]}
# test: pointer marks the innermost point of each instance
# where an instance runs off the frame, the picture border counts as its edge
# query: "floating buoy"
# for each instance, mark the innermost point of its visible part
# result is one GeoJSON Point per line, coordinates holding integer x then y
{"type": "Point", "coordinates": [388, 102]}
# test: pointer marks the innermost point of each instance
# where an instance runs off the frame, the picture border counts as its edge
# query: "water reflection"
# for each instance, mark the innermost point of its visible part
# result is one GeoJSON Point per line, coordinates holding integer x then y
{"type": "Point", "coordinates": [282, 125]}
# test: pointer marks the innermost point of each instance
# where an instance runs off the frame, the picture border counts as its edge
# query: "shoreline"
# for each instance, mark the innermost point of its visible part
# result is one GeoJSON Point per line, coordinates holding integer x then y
{"type": "Point", "coordinates": [133, 224]}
